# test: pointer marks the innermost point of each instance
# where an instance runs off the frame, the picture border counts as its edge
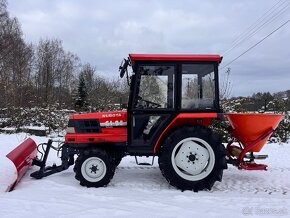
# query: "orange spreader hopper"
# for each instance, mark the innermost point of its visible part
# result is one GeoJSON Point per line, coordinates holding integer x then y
{"type": "Point", "coordinates": [252, 132]}
{"type": "Point", "coordinates": [249, 127]}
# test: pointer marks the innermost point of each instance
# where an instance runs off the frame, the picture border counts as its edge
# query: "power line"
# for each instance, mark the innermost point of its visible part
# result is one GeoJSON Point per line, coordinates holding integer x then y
{"type": "Point", "coordinates": [257, 21]}
{"type": "Point", "coordinates": [271, 19]}
{"type": "Point", "coordinates": [256, 44]}
{"type": "Point", "coordinates": [254, 31]}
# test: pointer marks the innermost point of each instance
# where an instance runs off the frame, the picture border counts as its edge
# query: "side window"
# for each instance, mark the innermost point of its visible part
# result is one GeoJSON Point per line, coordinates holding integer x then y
{"type": "Point", "coordinates": [198, 86]}
{"type": "Point", "coordinates": [208, 86]}
{"type": "Point", "coordinates": [155, 87]}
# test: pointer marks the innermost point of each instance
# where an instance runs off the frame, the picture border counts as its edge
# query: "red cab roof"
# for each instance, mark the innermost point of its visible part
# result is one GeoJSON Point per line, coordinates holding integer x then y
{"type": "Point", "coordinates": [175, 57]}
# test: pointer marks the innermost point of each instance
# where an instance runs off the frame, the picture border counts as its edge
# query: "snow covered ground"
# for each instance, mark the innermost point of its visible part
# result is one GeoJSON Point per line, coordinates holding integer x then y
{"type": "Point", "coordinates": [141, 191]}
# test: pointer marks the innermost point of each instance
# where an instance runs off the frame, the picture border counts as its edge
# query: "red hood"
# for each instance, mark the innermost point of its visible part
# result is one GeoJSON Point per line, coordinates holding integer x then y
{"type": "Point", "coordinates": [103, 117]}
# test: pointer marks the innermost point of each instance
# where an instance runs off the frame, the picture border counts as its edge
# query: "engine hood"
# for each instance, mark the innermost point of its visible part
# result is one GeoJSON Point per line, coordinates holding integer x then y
{"type": "Point", "coordinates": [106, 119]}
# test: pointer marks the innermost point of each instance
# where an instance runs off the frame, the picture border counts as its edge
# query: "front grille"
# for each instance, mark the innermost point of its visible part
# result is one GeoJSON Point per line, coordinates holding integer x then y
{"type": "Point", "coordinates": [85, 126]}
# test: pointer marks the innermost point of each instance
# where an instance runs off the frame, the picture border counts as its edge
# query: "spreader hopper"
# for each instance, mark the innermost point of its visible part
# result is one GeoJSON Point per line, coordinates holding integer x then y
{"type": "Point", "coordinates": [251, 131]}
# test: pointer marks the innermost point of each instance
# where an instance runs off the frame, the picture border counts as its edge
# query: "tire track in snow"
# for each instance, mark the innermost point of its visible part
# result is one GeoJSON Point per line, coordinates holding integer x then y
{"type": "Point", "coordinates": [270, 182]}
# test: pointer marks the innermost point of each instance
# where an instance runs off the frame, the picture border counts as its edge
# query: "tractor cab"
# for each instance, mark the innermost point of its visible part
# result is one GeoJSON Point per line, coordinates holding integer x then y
{"type": "Point", "coordinates": [163, 87]}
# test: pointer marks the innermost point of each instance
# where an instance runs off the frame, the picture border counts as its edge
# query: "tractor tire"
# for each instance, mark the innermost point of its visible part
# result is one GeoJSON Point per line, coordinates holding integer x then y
{"type": "Point", "coordinates": [117, 156]}
{"type": "Point", "coordinates": [192, 158]}
{"type": "Point", "coordinates": [75, 168]}
{"type": "Point", "coordinates": [94, 168]}
{"type": "Point", "coordinates": [117, 161]}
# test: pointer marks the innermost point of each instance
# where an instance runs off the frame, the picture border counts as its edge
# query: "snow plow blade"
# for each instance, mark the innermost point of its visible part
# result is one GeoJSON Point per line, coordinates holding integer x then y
{"type": "Point", "coordinates": [22, 157]}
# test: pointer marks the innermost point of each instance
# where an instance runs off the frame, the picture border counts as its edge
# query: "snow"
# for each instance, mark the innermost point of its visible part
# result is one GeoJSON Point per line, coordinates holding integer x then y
{"type": "Point", "coordinates": [8, 129]}
{"type": "Point", "coordinates": [35, 127]}
{"type": "Point", "coordinates": [141, 191]}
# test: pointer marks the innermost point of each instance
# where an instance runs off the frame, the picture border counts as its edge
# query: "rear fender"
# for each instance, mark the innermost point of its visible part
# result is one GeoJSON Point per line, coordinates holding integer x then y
{"type": "Point", "coordinates": [203, 119]}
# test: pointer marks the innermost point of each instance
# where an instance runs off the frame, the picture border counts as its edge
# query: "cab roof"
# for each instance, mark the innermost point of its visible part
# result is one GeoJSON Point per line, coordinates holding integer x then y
{"type": "Point", "coordinates": [175, 57]}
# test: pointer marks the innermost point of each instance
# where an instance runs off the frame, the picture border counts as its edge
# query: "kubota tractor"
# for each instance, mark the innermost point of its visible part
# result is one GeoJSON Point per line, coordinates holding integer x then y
{"type": "Point", "coordinates": [173, 99]}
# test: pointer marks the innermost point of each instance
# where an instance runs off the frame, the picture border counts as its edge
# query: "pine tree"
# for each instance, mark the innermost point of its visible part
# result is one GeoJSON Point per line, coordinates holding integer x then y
{"type": "Point", "coordinates": [81, 103]}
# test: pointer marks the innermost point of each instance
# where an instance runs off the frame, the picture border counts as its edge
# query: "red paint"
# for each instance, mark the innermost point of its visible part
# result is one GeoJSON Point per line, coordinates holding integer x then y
{"type": "Point", "coordinates": [203, 119]}
{"type": "Point", "coordinates": [252, 131]}
{"type": "Point", "coordinates": [252, 145]}
{"type": "Point", "coordinates": [252, 166]}
{"type": "Point", "coordinates": [116, 134]}
{"type": "Point", "coordinates": [175, 57]}
{"type": "Point", "coordinates": [22, 157]}
{"type": "Point", "coordinates": [108, 134]}
{"type": "Point", "coordinates": [102, 116]}
{"type": "Point", "coordinates": [249, 127]}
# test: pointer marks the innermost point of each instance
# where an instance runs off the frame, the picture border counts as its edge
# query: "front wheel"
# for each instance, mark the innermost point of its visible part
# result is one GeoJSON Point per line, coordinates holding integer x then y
{"type": "Point", "coordinates": [192, 158]}
{"type": "Point", "coordinates": [94, 168]}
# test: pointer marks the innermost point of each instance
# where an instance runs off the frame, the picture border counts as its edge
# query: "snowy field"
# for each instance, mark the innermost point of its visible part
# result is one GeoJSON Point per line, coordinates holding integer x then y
{"type": "Point", "coordinates": [141, 191]}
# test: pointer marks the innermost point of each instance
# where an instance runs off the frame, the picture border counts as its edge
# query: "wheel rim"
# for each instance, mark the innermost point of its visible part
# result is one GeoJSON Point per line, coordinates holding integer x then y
{"type": "Point", "coordinates": [93, 169]}
{"type": "Point", "coordinates": [193, 159]}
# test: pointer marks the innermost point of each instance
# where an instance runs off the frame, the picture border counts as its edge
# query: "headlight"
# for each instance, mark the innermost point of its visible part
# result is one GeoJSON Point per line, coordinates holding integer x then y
{"type": "Point", "coordinates": [70, 130]}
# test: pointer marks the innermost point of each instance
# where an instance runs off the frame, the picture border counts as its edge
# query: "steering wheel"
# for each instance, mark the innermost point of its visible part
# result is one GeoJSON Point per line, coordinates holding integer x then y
{"type": "Point", "coordinates": [148, 104]}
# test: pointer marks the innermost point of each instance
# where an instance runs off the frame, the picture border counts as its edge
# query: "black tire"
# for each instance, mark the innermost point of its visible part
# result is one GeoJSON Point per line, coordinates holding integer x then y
{"type": "Point", "coordinates": [117, 156]}
{"type": "Point", "coordinates": [185, 140]}
{"type": "Point", "coordinates": [94, 168]}
{"type": "Point", "coordinates": [117, 161]}
{"type": "Point", "coordinates": [75, 168]}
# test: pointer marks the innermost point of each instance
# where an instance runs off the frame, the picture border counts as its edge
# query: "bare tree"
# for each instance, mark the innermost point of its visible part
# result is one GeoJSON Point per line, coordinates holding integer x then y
{"type": "Point", "coordinates": [15, 61]}
{"type": "Point", "coordinates": [54, 72]}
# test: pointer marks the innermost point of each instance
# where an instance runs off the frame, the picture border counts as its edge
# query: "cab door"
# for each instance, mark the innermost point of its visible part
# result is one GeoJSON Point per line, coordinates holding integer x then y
{"type": "Point", "coordinates": [152, 105]}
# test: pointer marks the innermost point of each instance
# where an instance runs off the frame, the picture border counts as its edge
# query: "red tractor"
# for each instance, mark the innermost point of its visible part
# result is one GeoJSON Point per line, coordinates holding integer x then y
{"type": "Point", "coordinates": [173, 99]}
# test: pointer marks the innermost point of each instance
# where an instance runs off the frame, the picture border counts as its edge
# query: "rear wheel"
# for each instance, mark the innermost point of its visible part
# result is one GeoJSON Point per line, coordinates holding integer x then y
{"type": "Point", "coordinates": [192, 158]}
{"type": "Point", "coordinates": [94, 168]}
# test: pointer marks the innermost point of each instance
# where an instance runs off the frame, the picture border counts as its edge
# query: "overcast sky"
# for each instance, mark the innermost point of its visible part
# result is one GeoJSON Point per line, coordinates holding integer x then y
{"type": "Point", "coordinates": [103, 32]}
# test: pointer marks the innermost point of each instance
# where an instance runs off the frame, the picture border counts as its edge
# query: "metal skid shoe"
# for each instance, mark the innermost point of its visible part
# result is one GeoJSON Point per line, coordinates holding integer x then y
{"type": "Point", "coordinates": [66, 160]}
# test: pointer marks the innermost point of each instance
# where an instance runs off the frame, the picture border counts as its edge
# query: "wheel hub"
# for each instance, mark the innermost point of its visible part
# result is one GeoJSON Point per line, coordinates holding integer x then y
{"type": "Point", "coordinates": [94, 169]}
{"type": "Point", "coordinates": [192, 157]}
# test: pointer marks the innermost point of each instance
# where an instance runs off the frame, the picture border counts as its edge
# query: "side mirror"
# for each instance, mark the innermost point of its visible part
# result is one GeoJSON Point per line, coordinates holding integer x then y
{"type": "Point", "coordinates": [123, 67]}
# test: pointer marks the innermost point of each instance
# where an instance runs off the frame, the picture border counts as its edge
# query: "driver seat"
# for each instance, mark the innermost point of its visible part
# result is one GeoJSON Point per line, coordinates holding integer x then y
{"type": "Point", "coordinates": [139, 125]}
